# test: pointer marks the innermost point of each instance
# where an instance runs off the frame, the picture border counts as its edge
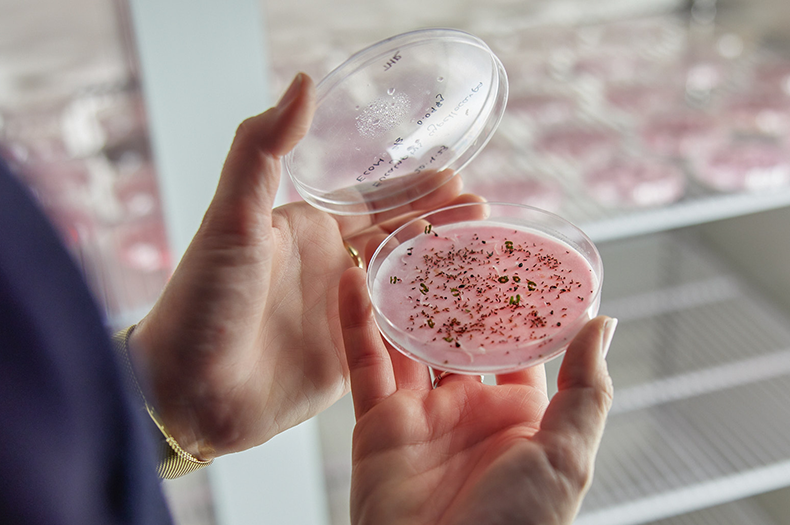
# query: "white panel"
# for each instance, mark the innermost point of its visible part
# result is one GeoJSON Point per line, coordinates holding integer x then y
{"type": "Point", "coordinates": [278, 483]}
{"type": "Point", "coordinates": [203, 72]}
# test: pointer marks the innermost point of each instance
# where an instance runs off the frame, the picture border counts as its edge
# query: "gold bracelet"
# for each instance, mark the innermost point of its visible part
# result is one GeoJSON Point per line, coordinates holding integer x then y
{"type": "Point", "coordinates": [173, 461]}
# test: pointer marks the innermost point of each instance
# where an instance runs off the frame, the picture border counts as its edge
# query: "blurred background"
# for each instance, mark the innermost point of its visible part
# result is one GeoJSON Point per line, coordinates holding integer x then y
{"type": "Point", "coordinates": [660, 127]}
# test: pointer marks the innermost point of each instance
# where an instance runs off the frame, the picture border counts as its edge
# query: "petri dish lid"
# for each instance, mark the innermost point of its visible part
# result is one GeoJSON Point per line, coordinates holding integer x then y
{"type": "Point", "coordinates": [397, 120]}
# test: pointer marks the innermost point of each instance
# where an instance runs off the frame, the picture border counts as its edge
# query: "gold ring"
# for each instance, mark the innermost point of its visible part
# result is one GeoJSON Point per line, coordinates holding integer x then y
{"type": "Point", "coordinates": [439, 377]}
{"type": "Point", "coordinates": [354, 255]}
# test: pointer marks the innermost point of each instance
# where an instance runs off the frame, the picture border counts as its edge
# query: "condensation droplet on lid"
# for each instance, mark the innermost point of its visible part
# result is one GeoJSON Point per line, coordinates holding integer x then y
{"type": "Point", "coordinates": [383, 115]}
{"type": "Point", "coordinates": [440, 79]}
{"type": "Point", "coordinates": [356, 107]}
{"type": "Point", "coordinates": [390, 91]}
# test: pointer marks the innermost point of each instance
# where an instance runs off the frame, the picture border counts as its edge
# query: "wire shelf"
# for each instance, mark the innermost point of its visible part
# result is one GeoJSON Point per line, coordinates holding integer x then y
{"type": "Point", "coordinates": [698, 207]}
{"type": "Point", "coordinates": [735, 513]}
{"type": "Point", "coordinates": [692, 453]}
{"type": "Point", "coordinates": [702, 405]}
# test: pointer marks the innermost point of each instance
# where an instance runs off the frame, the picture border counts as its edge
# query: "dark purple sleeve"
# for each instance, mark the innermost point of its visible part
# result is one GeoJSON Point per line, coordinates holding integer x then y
{"type": "Point", "coordinates": [74, 449]}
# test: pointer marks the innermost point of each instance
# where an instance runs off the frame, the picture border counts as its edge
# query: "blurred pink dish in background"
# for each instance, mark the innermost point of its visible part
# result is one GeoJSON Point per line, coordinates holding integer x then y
{"type": "Point", "coordinates": [746, 165]}
{"type": "Point", "coordinates": [684, 134]}
{"type": "Point", "coordinates": [585, 146]}
{"type": "Point", "coordinates": [636, 183]}
{"type": "Point", "coordinates": [539, 193]}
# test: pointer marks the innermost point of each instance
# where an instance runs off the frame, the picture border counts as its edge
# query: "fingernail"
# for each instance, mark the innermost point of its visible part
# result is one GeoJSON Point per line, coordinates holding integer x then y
{"type": "Point", "coordinates": [608, 334]}
{"type": "Point", "coordinates": [291, 92]}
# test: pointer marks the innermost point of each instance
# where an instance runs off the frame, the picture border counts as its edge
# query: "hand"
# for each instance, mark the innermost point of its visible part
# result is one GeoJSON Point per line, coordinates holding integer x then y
{"type": "Point", "coordinates": [467, 452]}
{"type": "Point", "coordinates": [245, 340]}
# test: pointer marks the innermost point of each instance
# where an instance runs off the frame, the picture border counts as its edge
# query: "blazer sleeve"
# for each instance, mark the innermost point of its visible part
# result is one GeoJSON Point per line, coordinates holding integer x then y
{"type": "Point", "coordinates": [75, 450]}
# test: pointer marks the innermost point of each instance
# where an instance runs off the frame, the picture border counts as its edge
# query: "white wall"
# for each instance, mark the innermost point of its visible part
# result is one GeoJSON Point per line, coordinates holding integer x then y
{"type": "Point", "coordinates": [204, 69]}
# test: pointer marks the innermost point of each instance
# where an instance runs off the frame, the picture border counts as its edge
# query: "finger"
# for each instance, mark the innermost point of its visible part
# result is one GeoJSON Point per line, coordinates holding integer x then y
{"type": "Point", "coordinates": [372, 244]}
{"type": "Point", "coordinates": [393, 224]}
{"type": "Point", "coordinates": [409, 374]}
{"type": "Point", "coordinates": [574, 421]}
{"type": "Point", "coordinates": [534, 376]}
{"type": "Point", "coordinates": [353, 224]}
{"type": "Point", "coordinates": [372, 377]}
{"type": "Point", "coordinates": [372, 238]}
{"type": "Point", "coordinates": [251, 173]}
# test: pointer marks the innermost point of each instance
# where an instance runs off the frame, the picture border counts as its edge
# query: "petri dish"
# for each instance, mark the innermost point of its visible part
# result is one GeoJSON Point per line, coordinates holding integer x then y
{"type": "Point", "coordinates": [745, 165]}
{"type": "Point", "coordinates": [580, 144]}
{"type": "Point", "coordinates": [682, 134]}
{"type": "Point", "coordinates": [484, 288]}
{"type": "Point", "coordinates": [397, 119]}
{"type": "Point", "coordinates": [544, 108]}
{"type": "Point", "coordinates": [636, 182]}
{"type": "Point", "coordinates": [529, 189]}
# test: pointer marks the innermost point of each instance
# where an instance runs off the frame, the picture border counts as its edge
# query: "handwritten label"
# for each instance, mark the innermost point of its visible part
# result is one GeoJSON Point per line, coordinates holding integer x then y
{"type": "Point", "coordinates": [431, 110]}
{"type": "Point", "coordinates": [467, 97]}
{"type": "Point", "coordinates": [431, 160]}
{"type": "Point", "coordinates": [433, 128]}
{"type": "Point", "coordinates": [414, 148]}
{"type": "Point", "coordinates": [395, 166]}
{"type": "Point", "coordinates": [370, 170]}
{"type": "Point", "coordinates": [392, 61]}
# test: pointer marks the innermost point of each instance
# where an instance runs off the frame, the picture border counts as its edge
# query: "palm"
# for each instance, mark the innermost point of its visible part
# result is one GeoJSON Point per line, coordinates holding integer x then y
{"type": "Point", "coordinates": [466, 452]}
{"type": "Point", "coordinates": [457, 434]}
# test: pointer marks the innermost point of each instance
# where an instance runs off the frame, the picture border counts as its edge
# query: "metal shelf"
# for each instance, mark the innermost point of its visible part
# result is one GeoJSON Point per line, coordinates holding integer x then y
{"type": "Point", "coordinates": [700, 206]}
{"type": "Point", "coordinates": [699, 330]}
{"type": "Point", "coordinates": [736, 513]}
{"type": "Point", "coordinates": [701, 368]}
{"type": "Point", "coordinates": [692, 453]}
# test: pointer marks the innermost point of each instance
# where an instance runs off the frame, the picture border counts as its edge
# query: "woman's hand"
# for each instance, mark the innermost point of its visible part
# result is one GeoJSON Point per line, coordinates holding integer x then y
{"type": "Point", "coordinates": [245, 341]}
{"type": "Point", "coordinates": [467, 452]}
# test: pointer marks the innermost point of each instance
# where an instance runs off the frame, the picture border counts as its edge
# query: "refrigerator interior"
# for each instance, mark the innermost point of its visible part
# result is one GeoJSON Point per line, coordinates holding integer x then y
{"type": "Point", "coordinates": [695, 244]}
{"type": "Point", "coordinates": [701, 360]}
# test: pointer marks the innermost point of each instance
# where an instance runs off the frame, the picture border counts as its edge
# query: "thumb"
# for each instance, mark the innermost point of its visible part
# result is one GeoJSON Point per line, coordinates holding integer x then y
{"type": "Point", "coordinates": [287, 122]}
{"type": "Point", "coordinates": [251, 173]}
{"type": "Point", "coordinates": [574, 421]}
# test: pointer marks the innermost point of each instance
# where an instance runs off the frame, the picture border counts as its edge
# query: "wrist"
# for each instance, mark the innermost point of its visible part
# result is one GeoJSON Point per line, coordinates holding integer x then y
{"type": "Point", "coordinates": [177, 456]}
{"type": "Point", "coordinates": [148, 354]}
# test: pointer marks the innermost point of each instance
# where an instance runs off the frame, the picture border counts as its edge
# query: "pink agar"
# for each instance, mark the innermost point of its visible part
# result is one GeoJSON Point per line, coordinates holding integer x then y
{"type": "Point", "coordinates": [482, 295]}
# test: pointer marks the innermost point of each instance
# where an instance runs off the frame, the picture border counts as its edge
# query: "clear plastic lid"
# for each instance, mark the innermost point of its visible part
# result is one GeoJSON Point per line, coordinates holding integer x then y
{"type": "Point", "coordinates": [397, 119]}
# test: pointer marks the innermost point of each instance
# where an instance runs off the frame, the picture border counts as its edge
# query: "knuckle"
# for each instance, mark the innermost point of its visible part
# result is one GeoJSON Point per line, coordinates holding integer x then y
{"type": "Point", "coordinates": [605, 394]}
{"type": "Point", "coordinates": [365, 360]}
{"type": "Point", "coordinates": [572, 463]}
{"type": "Point", "coordinates": [254, 128]}
{"type": "Point", "coordinates": [577, 469]}
{"type": "Point", "coordinates": [245, 129]}
{"type": "Point", "coordinates": [601, 392]}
